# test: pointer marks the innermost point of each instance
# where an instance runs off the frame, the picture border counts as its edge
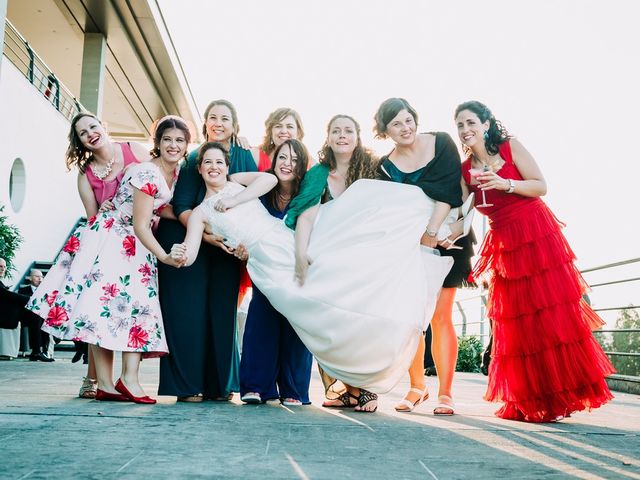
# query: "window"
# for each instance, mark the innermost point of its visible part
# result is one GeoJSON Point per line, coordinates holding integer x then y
{"type": "Point", "coordinates": [17, 183]}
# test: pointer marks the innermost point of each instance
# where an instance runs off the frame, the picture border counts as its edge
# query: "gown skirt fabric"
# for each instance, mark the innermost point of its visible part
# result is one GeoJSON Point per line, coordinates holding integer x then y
{"type": "Point", "coordinates": [363, 306]}
{"type": "Point", "coordinates": [545, 361]}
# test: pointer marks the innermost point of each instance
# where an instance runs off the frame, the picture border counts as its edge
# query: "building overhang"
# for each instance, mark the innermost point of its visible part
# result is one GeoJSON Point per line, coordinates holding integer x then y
{"type": "Point", "coordinates": [144, 79]}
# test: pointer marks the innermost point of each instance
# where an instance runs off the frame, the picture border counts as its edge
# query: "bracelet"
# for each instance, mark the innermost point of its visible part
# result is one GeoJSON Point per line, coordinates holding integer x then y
{"type": "Point", "coordinates": [431, 233]}
{"type": "Point", "coordinates": [512, 186]}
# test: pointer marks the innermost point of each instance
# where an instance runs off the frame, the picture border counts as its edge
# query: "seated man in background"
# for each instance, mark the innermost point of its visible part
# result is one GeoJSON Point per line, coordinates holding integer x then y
{"type": "Point", "coordinates": [38, 340]}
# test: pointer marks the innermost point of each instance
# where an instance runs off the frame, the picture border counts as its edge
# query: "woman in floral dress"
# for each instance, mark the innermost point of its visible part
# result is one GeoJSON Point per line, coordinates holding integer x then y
{"type": "Point", "coordinates": [101, 165]}
{"type": "Point", "coordinates": [103, 287]}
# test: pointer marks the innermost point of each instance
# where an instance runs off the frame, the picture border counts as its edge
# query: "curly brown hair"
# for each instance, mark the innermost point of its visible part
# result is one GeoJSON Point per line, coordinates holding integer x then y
{"type": "Point", "coordinates": [77, 154]}
{"type": "Point", "coordinates": [363, 162]}
{"type": "Point", "coordinates": [274, 117]}
{"type": "Point", "coordinates": [494, 136]}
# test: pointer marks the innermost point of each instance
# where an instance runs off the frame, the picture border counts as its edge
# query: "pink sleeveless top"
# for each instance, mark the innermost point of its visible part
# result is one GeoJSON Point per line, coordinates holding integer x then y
{"type": "Point", "coordinates": [106, 190]}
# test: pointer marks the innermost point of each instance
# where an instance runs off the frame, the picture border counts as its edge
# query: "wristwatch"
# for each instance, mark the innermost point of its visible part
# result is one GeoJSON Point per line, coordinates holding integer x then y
{"type": "Point", "coordinates": [512, 186]}
{"type": "Point", "coordinates": [431, 233]}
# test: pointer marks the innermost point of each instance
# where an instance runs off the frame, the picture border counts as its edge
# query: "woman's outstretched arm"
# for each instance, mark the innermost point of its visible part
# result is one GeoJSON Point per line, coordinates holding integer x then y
{"type": "Point", "coordinates": [257, 185]}
{"type": "Point", "coordinates": [304, 227]}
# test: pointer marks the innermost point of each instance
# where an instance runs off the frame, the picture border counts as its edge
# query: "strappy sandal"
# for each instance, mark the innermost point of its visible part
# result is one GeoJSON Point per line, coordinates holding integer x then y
{"type": "Point", "coordinates": [89, 388]}
{"type": "Point", "coordinates": [449, 408]}
{"type": "Point", "coordinates": [407, 406]}
{"type": "Point", "coordinates": [365, 397]}
{"type": "Point", "coordinates": [345, 401]}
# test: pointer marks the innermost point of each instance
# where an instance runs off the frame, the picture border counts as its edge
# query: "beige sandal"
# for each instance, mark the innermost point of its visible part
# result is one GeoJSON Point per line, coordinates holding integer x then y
{"type": "Point", "coordinates": [449, 408]}
{"type": "Point", "coordinates": [405, 405]}
{"type": "Point", "coordinates": [89, 388]}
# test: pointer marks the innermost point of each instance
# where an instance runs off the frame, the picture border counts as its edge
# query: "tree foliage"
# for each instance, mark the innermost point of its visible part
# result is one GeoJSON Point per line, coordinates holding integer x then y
{"type": "Point", "coordinates": [469, 354]}
{"type": "Point", "coordinates": [10, 240]}
{"type": "Point", "coordinates": [625, 342]}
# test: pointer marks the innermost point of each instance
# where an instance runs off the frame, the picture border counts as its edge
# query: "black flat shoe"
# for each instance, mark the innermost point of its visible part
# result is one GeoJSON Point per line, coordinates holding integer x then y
{"type": "Point", "coordinates": [40, 357]}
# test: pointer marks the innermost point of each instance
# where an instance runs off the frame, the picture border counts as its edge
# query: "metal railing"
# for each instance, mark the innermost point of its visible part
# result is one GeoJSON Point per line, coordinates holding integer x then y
{"type": "Point", "coordinates": [18, 51]}
{"type": "Point", "coordinates": [628, 362]}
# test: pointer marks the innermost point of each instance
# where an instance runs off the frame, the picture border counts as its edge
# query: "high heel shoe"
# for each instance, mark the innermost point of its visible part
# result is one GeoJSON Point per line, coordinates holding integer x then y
{"type": "Point", "coordinates": [467, 205]}
{"type": "Point", "coordinates": [466, 228]}
{"type": "Point", "coordinates": [125, 391]}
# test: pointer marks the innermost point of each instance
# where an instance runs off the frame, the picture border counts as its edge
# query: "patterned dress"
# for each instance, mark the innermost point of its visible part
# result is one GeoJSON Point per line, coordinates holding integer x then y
{"type": "Point", "coordinates": [103, 287]}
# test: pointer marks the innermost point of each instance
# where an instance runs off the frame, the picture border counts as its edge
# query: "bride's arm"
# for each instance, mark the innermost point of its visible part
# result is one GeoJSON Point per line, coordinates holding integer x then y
{"type": "Point", "coordinates": [430, 236]}
{"type": "Point", "coordinates": [257, 185]}
{"type": "Point", "coordinates": [304, 227]}
{"type": "Point", "coordinates": [188, 250]}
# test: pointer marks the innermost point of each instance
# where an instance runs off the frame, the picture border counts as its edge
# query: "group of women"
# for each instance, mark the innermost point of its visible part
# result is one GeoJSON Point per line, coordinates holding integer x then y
{"type": "Point", "coordinates": [345, 268]}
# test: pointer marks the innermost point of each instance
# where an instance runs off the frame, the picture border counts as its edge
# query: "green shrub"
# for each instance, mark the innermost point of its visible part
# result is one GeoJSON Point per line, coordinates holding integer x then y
{"type": "Point", "coordinates": [10, 240]}
{"type": "Point", "coordinates": [469, 354]}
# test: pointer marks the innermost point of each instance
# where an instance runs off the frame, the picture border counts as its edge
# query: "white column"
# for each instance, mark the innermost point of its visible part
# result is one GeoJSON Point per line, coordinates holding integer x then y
{"type": "Point", "coordinates": [93, 72]}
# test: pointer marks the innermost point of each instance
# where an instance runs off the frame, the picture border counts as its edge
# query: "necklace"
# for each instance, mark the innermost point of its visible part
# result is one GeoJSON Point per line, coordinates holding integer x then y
{"type": "Point", "coordinates": [283, 199]}
{"type": "Point", "coordinates": [486, 165]}
{"type": "Point", "coordinates": [106, 170]}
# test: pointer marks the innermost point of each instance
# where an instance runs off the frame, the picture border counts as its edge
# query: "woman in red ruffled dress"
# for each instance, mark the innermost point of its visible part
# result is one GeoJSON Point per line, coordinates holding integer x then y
{"type": "Point", "coordinates": [545, 362]}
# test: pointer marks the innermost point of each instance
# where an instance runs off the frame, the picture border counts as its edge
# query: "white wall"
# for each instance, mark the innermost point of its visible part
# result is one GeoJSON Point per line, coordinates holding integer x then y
{"type": "Point", "coordinates": [32, 129]}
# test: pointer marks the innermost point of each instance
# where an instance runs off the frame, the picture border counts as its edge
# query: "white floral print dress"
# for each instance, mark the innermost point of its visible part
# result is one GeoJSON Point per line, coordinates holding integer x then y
{"type": "Point", "coordinates": [103, 287]}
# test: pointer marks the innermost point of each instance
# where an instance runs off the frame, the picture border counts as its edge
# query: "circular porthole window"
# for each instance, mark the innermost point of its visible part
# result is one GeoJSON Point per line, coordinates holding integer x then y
{"type": "Point", "coordinates": [17, 184]}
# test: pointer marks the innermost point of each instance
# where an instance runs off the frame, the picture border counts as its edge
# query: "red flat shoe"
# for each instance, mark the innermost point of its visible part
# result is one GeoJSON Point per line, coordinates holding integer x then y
{"type": "Point", "coordinates": [125, 391]}
{"type": "Point", "coordinates": [110, 397]}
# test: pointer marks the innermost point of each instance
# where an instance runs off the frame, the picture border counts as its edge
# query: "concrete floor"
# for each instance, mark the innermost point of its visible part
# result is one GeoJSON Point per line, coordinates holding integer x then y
{"type": "Point", "coordinates": [46, 432]}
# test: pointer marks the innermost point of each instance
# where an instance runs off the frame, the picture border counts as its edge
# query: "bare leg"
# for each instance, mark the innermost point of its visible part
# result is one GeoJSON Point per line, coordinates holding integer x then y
{"type": "Point", "coordinates": [445, 343]}
{"type": "Point", "coordinates": [129, 375]}
{"type": "Point", "coordinates": [103, 361]}
{"type": "Point", "coordinates": [416, 376]}
{"type": "Point", "coordinates": [91, 367]}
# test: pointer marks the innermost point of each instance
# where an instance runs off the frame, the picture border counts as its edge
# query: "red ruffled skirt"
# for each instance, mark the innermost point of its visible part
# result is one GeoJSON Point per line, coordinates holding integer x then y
{"type": "Point", "coordinates": [545, 361]}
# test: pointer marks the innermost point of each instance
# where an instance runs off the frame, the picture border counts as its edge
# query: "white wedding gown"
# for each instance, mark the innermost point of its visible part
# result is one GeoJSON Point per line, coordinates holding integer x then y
{"type": "Point", "coordinates": [371, 288]}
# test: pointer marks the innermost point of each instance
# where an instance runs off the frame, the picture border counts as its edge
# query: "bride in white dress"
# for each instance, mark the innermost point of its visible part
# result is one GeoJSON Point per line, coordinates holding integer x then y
{"type": "Point", "coordinates": [363, 306]}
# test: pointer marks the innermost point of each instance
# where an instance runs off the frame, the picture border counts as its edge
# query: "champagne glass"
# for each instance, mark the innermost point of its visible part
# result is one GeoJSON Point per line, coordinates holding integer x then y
{"type": "Point", "coordinates": [475, 173]}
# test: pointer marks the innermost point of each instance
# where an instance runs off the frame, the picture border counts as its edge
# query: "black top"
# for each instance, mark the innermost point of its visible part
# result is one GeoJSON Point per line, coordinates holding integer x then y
{"type": "Point", "coordinates": [439, 179]}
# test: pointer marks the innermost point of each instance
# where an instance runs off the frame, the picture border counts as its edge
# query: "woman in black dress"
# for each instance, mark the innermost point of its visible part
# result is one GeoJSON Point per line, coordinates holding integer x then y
{"type": "Point", "coordinates": [430, 161]}
{"type": "Point", "coordinates": [199, 302]}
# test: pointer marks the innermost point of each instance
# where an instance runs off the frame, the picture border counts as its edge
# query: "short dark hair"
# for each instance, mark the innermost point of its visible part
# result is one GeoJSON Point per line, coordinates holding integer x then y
{"type": "Point", "coordinates": [387, 111]}
{"type": "Point", "coordinates": [212, 146]}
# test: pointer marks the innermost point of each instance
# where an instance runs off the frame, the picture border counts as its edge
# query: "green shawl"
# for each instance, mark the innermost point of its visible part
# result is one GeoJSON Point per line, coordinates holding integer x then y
{"type": "Point", "coordinates": [311, 190]}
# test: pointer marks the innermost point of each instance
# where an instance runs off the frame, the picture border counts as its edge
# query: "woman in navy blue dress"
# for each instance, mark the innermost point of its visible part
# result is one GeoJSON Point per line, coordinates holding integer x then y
{"type": "Point", "coordinates": [275, 363]}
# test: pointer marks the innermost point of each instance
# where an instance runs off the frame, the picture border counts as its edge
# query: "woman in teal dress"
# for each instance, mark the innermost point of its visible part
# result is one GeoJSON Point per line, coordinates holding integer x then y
{"type": "Point", "coordinates": [199, 303]}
